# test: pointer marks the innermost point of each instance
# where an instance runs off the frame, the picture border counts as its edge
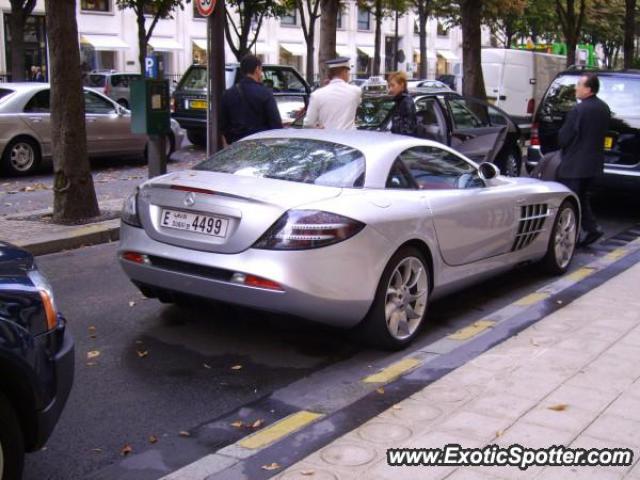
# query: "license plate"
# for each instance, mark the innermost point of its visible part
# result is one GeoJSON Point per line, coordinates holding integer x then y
{"type": "Point", "coordinates": [195, 222]}
{"type": "Point", "coordinates": [198, 104]}
{"type": "Point", "coordinates": [608, 143]}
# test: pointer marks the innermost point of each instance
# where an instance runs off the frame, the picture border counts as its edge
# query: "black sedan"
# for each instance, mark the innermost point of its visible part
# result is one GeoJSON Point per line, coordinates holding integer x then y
{"type": "Point", "coordinates": [475, 128]}
{"type": "Point", "coordinates": [36, 360]}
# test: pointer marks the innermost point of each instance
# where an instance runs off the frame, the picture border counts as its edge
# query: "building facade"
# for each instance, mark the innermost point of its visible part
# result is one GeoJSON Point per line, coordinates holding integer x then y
{"type": "Point", "coordinates": [108, 40]}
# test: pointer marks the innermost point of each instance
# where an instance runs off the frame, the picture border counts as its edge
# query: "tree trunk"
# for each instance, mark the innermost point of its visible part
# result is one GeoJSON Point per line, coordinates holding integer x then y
{"type": "Point", "coordinates": [472, 80]}
{"type": "Point", "coordinates": [378, 40]}
{"type": "Point", "coordinates": [18, 73]}
{"type": "Point", "coordinates": [328, 27]}
{"type": "Point", "coordinates": [422, 24]}
{"type": "Point", "coordinates": [629, 32]}
{"type": "Point", "coordinates": [572, 44]}
{"type": "Point", "coordinates": [310, 60]}
{"type": "Point", "coordinates": [142, 42]}
{"type": "Point", "coordinates": [74, 194]}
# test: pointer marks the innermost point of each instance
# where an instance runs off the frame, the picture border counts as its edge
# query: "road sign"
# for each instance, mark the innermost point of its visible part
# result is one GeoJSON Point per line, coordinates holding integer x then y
{"type": "Point", "coordinates": [205, 7]}
{"type": "Point", "coordinates": [151, 67]}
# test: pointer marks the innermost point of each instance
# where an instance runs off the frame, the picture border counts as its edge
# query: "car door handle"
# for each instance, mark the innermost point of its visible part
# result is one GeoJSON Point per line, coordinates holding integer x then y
{"type": "Point", "coordinates": [35, 119]}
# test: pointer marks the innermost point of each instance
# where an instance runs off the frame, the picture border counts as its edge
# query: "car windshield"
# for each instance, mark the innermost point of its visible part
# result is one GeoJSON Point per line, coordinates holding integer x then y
{"type": "Point", "coordinates": [373, 111]}
{"type": "Point", "coordinates": [292, 159]}
{"type": "Point", "coordinates": [96, 80]}
{"type": "Point", "coordinates": [619, 92]}
{"type": "Point", "coordinates": [4, 93]}
{"type": "Point", "coordinates": [196, 78]}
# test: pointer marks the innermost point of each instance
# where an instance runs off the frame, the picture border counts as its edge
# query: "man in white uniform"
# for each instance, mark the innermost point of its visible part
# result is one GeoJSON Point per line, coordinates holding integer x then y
{"type": "Point", "coordinates": [334, 105]}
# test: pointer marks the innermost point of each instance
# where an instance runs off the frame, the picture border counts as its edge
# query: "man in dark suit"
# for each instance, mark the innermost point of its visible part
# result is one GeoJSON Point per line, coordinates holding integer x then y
{"type": "Point", "coordinates": [582, 141]}
{"type": "Point", "coordinates": [248, 107]}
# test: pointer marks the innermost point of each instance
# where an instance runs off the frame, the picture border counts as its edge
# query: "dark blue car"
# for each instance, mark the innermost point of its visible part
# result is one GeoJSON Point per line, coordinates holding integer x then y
{"type": "Point", "coordinates": [36, 360]}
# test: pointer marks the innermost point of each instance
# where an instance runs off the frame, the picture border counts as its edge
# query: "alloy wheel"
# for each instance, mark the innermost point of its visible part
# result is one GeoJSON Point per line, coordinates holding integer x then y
{"type": "Point", "coordinates": [565, 237]}
{"type": "Point", "coordinates": [406, 298]}
{"type": "Point", "coordinates": [511, 166]}
{"type": "Point", "coordinates": [22, 157]}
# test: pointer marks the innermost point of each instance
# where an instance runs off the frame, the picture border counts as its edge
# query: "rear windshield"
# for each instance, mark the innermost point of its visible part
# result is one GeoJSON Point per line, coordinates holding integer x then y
{"type": "Point", "coordinates": [292, 159]}
{"type": "Point", "coordinates": [4, 92]}
{"type": "Point", "coordinates": [96, 80]}
{"type": "Point", "coordinates": [620, 93]}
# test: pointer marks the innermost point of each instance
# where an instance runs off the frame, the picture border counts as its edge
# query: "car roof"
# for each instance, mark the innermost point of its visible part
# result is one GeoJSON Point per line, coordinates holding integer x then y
{"type": "Point", "coordinates": [597, 71]}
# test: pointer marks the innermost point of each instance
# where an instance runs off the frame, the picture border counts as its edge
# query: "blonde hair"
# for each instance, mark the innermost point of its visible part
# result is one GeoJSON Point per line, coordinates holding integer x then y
{"type": "Point", "coordinates": [398, 77]}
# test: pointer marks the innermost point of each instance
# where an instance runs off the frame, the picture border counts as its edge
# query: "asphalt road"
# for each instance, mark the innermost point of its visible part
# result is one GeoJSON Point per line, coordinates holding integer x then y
{"type": "Point", "coordinates": [162, 370]}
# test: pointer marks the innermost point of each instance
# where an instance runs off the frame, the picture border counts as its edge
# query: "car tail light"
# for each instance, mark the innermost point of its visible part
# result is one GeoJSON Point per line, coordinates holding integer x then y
{"type": "Point", "coordinates": [535, 138]}
{"type": "Point", "coordinates": [136, 257]}
{"type": "Point", "coordinates": [531, 106]}
{"type": "Point", "coordinates": [305, 229]}
{"type": "Point", "coordinates": [129, 212]}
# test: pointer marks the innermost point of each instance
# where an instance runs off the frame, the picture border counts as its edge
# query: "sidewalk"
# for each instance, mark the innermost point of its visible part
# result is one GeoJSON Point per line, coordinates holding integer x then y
{"type": "Point", "coordinates": [571, 379]}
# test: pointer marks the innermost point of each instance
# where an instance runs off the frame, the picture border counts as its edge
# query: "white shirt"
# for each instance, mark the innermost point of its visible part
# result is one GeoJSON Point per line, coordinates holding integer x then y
{"type": "Point", "coordinates": [333, 106]}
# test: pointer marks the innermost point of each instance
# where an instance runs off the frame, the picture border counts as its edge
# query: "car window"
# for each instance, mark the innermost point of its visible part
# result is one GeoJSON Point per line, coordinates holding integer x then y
{"type": "Point", "coordinates": [373, 111]}
{"type": "Point", "coordinates": [282, 80]}
{"type": "Point", "coordinates": [468, 114]}
{"type": "Point", "coordinates": [4, 93]}
{"type": "Point", "coordinates": [95, 104]}
{"type": "Point", "coordinates": [292, 159]}
{"type": "Point", "coordinates": [425, 110]}
{"type": "Point", "coordinates": [95, 81]}
{"type": "Point", "coordinates": [433, 168]}
{"type": "Point", "coordinates": [39, 103]}
{"type": "Point", "coordinates": [291, 107]}
{"type": "Point", "coordinates": [399, 177]}
{"type": "Point", "coordinates": [195, 79]}
{"type": "Point", "coordinates": [619, 92]}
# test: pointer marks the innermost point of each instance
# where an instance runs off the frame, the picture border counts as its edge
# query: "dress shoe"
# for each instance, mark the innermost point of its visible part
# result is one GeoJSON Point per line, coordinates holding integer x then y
{"type": "Point", "coordinates": [591, 237]}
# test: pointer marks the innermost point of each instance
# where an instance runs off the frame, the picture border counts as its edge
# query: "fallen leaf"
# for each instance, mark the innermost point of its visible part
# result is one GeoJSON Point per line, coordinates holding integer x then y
{"type": "Point", "coordinates": [380, 390]}
{"type": "Point", "coordinates": [93, 354]}
{"type": "Point", "coordinates": [560, 407]}
{"type": "Point", "coordinates": [126, 450]}
{"type": "Point", "coordinates": [142, 353]}
{"type": "Point", "coordinates": [499, 433]}
{"type": "Point", "coordinates": [270, 467]}
{"type": "Point", "coordinates": [96, 450]}
{"type": "Point", "coordinates": [91, 364]}
{"type": "Point", "coordinates": [153, 439]}
{"type": "Point", "coordinates": [397, 407]}
{"type": "Point", "coordinates": [257, 423]}
{"type": "Point", "coordinates": [307, 473]}
{"type": "Point", "coordinates": [132, 303]}
{"type": "Point", "coordinates": [236, 367]}
{"type": "Point", "coordinates": [184, 433]}
{"type": "Point", "coordinates": [534, 343]}
{"type": "Point", "coordinates": [206, 365]}
{"type": "Point", "coordinates": [237, 424]}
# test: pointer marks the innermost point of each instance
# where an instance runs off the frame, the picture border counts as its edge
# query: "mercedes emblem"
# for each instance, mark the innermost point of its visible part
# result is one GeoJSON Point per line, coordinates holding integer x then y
{"type": "Point", "coordinates": [190, 199]}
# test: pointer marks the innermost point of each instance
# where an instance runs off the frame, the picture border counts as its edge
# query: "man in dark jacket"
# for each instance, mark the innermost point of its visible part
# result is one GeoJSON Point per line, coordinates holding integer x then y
{"type": "Point", "coordinates": [248, 107]}
{"type": "Point", "coordinates": [582, 141]}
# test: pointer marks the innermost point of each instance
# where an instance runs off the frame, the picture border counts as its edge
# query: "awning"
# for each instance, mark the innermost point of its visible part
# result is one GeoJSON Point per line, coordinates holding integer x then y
{"type": "Point", "coordinates": [200, 43]}
{"type": "Point", "coordinates": [104, 42]}
{"type": "Point", "coordinates": [368, 51]}
{"type": "Point", "coordinates": [448, 55]}
{"type": "Point", "coordinates": [164, 44]}
{"type": "Point", "coordinates": [343, 51]}
{"type": "Point", "coordinates": [296, 49]}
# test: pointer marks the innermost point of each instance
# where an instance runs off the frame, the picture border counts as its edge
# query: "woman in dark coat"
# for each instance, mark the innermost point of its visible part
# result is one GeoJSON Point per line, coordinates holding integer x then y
{"type": "Point", "coordinates": [403, 117]}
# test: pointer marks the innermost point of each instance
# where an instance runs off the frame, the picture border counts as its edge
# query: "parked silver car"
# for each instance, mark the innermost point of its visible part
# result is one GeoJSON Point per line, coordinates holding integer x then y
{"type": "Point", "coordinates": [115, 85]}
{"type": "Point", "coordinates": [25, 127]}
{"type": "Point", "coordinates": [346, 228]}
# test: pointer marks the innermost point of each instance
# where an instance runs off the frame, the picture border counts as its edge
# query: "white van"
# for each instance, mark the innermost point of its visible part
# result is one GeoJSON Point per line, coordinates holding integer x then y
{"type": "Point", "coordinates": [515, 80]}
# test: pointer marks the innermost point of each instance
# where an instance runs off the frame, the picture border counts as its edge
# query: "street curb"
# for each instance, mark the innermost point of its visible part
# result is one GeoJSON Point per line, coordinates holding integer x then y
{"type": "Point", "coordinates": [76, 237]}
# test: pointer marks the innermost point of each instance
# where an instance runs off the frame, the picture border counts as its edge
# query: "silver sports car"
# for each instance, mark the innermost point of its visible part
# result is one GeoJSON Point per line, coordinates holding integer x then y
{"type": "Point", "coordinates": [25, 127]}
{"type": "Point", "coordinates": [346, 228]}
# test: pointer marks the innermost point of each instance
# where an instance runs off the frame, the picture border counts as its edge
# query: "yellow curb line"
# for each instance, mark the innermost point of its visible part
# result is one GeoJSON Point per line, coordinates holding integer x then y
{"type": "Point", "coordinates": [531, 299]}
{"type": "Point", "coordinates": [472, 330]}
{"type": "Point", "coordinates": [393, 371]}
{"type": "Point", "coordinates": [580, 274]}
{"type": "Point", "coordinates": [616, 254]}
{"type": "Point", "coordinates": [280, 429]}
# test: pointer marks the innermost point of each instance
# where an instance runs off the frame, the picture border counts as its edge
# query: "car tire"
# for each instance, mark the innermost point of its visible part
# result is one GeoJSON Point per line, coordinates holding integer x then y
{"type": "Point", "coordinates": [11, 442]}
{"type": "Point", "coordinates": [21, 157]}
{"type": "Point", "coordinates": [510, 162]}
{"type": "Point", "coordinates": [563, 240]}
{"type": "Point", "coordinates": [405, 282]}
{"type": "Point", "coordinates": [197, 137]}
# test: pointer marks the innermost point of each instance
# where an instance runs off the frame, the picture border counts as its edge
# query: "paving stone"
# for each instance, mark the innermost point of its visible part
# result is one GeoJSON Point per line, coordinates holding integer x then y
{"type": "Point", "coordinates": [501, 405]}
{"type": "Point", "coordinates": [413, 412]}
{"type": "Point", "coordinates": [530, 435]}
{"type": "Point", "coordinates": [578, 473]}
{"type": "Point", "coordinates": [470, 424]}
{"type": "Point", "coordinates": [583, 398]}
{"type": "Point", "coordinates": [499, 360]}
{"type": "Point", "coordinates": [589, 442]}
{"type": "Point", "coordinates": [530, 384]}
{"type": "Point", "coordinates": [384, 433]}
{"type": "Point", "coordinates": [571, 420]}
{"type": "Point", "coordinates": [627, 406]}
{"type": "Point", "coordinates": [615, 429]}
{"type": "Point", "coordinates": [467, 473]}
{"type": "Point", "coordinates": [307, 471]}
{"type": "Point", "coordinates": [437, 394]}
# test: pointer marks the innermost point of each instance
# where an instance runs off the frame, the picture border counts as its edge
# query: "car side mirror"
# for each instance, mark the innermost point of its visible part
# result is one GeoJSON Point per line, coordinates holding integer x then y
{"type": "Point", "coordinates": [487, 171]}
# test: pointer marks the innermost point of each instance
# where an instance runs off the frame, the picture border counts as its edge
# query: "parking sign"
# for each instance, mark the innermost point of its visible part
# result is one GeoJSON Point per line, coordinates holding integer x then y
{"type": "Point", "coordinates": [205, 7]}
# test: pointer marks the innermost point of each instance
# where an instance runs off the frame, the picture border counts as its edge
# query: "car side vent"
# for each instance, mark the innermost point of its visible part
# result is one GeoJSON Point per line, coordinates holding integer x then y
{"type": "Point", "coordinates": [532, 218]}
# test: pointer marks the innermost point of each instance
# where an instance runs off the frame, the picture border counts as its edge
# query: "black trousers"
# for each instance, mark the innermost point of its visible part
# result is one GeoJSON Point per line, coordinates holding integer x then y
{"type": "Point", "coordinates": [582, 188]}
